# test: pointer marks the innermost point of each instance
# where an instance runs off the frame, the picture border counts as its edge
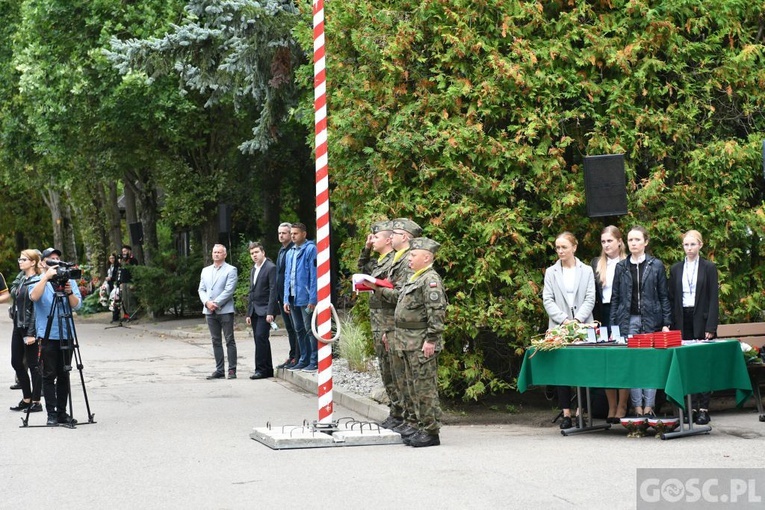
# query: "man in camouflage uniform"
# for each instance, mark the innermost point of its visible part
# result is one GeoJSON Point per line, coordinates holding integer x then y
{"type": "Point", "coordinates": [381, 313]}
{"type": "Point", "coordinates": [404, 230]}
{"type": "Point", "coordinates": [419, 315]}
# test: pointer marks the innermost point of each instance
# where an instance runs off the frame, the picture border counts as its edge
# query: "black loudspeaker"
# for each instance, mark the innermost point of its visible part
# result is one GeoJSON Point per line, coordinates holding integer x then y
{"type": "Point", "coordinates": [605, 185]}
{"type": "Point", "coordinates": [224, 218]}
{"type": "Point", "coordinates": [136, 233]}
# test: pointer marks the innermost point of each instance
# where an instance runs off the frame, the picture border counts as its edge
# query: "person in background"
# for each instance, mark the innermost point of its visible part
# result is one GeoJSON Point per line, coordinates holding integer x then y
{"type": "Point", "coordinates": [568, 295]}
{"type": "Point", "coordinates": [640, 303]}
{"type": "Point", "coordinates": [216, 292]}
{"type": "Point", "coordinates": [24, 345]}
{"type": "Point", "coordinates": [54, 357]}
{"type": "Point", "coordinates": [285, 239]}
{"type": "Point", "coordinates": [262, 309]}
{"type": "Point", "coordinates": [112, 274]}
{"type": "Point", "coordinates": [612, 251]}
{"type": "Point", "coordinates": [125, 280]}
{"type": "Point", "coordinates": [112, 270]}
{"type": "Point", "coordinates": [6, 295]}
{"type": "Point", "coordinates": [694, 296]}
{"type": "Point", "coordinates": [301, 295]}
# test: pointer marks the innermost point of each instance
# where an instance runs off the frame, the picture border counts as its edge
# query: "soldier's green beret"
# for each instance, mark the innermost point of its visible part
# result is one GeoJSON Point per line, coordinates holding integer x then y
{"type": "Point", "coordinates": [423, 243]}
{"type": "Point", "coordinates": [380, 226]}
{"type": "Point", "coordinates": [408, 225]}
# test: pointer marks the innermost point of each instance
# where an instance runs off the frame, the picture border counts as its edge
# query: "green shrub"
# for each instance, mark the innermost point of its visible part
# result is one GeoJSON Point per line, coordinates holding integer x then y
{"type": "Point", "coordinates": [355, 346]}
{"type": "Point", "coordinates": [171, 286]}
{"type": "Point", "coordinates": [91, 305]}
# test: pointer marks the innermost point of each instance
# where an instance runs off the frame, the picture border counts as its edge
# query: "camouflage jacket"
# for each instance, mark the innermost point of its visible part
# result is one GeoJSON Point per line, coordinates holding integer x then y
{"type": "Point", "coordinates": [379, 309]}
{"type": "Point", "coordinates": [398, 274]}
{"type": "Point", "coordinates": [420, 312]}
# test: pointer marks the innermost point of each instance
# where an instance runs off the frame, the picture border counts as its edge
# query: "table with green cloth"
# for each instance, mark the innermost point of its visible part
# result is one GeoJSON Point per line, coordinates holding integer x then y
{"type": "Point", "coordinates": [680, 371]}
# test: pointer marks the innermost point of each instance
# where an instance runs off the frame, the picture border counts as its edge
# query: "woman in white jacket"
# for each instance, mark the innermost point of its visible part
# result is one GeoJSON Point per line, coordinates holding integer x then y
{"type": "Point", "coordinates": [568, 295]}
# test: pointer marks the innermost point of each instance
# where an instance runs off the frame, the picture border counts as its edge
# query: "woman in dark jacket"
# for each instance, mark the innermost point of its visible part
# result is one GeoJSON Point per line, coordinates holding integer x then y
{"type": "Point", "coordinates": [694, 295]}
{"type": "Point", "coordinates": [640, 302]}
{"type": "Point", "coordinates": [24, 345]}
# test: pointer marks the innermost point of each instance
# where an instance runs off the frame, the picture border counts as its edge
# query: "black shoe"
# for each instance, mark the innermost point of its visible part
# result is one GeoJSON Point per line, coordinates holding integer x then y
{"type": "Point", "coordinates": [405, 430]}
{"type": "Point", "coordinates": [260, 375]}
{"type": "Point", "coordinates": [287, 364]}
{"type": "Point", "coordinates": [21, 406]}
{"type": "Point", "coordinates": [215, 375]}
{"type": "Point", "coordinates": [566, 423]}
{"type": "Point", "coordinates": [232, 374]}
{"type": "Point", "coordinates": [424, 439]}
{"type": "Point", "coordinates": [703, 418]}
{"type": "Point", "coordinates": [65, 419]}
{"type": "Point", "coordinates": [36, 407]}
{"type": "Point", "coordinates": [52, 420]}
{"type": "Point", "coordinates": [391, 422]}
{"type": "Point", "coordinates": [16, 386]}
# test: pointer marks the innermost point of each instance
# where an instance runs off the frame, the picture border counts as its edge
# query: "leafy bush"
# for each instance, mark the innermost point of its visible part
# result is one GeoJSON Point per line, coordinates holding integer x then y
{"type": "Point", "coordinates": [170, 286]}
{"type": "Point", "coordinates": [91, 305]}
{"type": "Point", "coordinates": [474, 119]}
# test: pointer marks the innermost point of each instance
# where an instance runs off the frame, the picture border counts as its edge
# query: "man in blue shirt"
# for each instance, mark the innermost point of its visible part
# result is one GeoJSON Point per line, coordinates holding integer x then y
{"type": "Point", "coordinates": [55, 356]}
{"type": "Point", "coordinates": [300, 295]}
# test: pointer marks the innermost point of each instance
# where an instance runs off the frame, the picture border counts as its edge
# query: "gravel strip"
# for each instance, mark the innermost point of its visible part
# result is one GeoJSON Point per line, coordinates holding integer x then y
{"type": "Point", "coordinates": [366, 384]}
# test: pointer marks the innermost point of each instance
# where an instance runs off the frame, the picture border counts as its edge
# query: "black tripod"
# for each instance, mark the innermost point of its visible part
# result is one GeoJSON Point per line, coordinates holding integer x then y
{"type": "Point", "coordinates": [61, 312]}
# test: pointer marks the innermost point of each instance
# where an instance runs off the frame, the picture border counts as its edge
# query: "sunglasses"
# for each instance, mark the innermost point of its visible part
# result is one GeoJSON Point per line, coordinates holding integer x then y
{"type": "Point", "coordinates": [23, 259]}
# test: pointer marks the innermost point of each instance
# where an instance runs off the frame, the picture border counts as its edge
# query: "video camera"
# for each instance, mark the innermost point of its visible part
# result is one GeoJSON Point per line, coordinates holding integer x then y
{"type": "Point", "coordinates": [65, 271]}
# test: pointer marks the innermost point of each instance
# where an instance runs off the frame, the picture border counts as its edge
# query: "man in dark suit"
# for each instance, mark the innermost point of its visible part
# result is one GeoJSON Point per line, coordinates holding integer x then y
{"type": "Point", "coordinates": [262, 309]}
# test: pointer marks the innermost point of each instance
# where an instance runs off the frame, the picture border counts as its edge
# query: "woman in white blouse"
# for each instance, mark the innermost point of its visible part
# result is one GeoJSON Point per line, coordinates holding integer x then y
{"type": "Point", "coordinates": [568, 295]}
{"type": "Point", "coordinates": [612, 251]}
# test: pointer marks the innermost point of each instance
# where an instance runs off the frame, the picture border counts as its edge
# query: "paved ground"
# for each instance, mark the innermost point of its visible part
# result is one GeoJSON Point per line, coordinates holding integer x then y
{"type": "Point", "coordinates": [167, 438]}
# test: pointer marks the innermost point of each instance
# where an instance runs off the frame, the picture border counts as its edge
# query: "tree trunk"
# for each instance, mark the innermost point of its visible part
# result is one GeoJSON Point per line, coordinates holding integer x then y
{"type": "Point", "coordinates": [272, 208]}
{"type": "Point", "coordinates": [113, 217]}
{"type": "Point", "coordinates": [131, 214]}
{"type": "Point", "coordinates": [210, 233]}
{"type": "Point", "coordinates": [145, 196]}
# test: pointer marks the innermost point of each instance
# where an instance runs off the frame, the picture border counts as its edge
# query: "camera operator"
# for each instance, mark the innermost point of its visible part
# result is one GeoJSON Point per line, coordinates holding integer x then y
{"type": "Point", "coordinates": [124, 278]}
{"type": "Point", "coordinates": [55, 376]}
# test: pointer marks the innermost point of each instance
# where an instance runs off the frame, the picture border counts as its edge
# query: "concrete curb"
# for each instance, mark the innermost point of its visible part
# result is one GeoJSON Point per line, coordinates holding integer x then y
{"type": "Point", "coordinates": [356, 403]}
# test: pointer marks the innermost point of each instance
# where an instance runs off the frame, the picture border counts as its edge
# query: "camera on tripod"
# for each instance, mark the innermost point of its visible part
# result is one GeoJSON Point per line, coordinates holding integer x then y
{"type": "Point", "coordinates": [65, 271]}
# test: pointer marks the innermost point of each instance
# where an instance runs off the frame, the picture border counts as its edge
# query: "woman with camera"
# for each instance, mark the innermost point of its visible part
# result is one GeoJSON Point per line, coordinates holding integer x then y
{"type": "Point", "coordinates": [24, 345]}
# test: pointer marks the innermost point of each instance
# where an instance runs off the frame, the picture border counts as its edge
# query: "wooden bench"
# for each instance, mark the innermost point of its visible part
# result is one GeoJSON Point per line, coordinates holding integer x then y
{"type": "Point", "coordinates": [753, 333]}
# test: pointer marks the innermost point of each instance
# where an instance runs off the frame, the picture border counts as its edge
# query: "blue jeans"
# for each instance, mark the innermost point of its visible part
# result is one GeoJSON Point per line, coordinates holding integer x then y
{"type": "Point", "coordinates": [301, 321]}
{"type": "Point", "coordinates": [640, 397]}
{"type": "Point", "coordinates": [222, 325]}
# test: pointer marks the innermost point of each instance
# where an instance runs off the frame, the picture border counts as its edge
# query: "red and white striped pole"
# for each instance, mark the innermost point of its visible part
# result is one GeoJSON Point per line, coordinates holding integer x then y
{"type": "Point", "coordinates": [323, 322]}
